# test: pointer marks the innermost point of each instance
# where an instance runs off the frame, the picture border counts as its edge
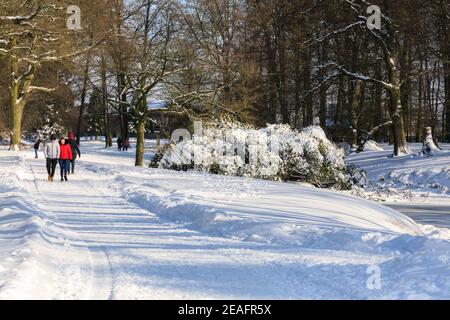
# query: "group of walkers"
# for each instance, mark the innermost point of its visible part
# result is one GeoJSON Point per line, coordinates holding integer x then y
{"type": "Point", "coordinates": [64, 152]}
{"type": "Point", "coordinates": [123, 145]}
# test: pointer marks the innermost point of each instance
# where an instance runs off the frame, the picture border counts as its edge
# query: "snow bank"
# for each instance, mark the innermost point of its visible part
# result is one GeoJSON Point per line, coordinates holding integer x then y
{"type": "Point", "coordinates": [413, 260]}
{"type": "Point", "coordinates": [36, 261]}
{"type": "Point", "coordinates": [408, 177]}
{"type": "Point", "coordinates": [20, 224]}
{"type": "Point", "coordinates": [250, 209]}
{"type": "Point", "coordinates": [372, 146]}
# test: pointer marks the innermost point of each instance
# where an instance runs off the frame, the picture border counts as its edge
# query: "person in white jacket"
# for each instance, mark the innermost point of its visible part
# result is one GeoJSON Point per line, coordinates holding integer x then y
{"type": "Point", "coordinates": [52, 152]}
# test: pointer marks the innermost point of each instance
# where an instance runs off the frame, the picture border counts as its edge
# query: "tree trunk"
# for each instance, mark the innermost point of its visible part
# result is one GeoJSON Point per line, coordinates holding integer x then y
{"type": "Point", "coordinates": [398, 127]}
{"type": "Point", "coordinates": [419, 136]}
{"type": "Point", "coordinates": [444, 45]}
{"type": "Point", "coordinates": [405, 65]}
{"type": "Point", "coordinates": [140, 143]}
{"type": "Point", "coordinates": [447, 100]}
{"type": "Point", "coordinates": [398, 130]}
{"type": "Point", "coordinates": [271, 114]}
{"type": "Point", "coordinates": [340, 105]}
{"type": "Point", "coordinates": [308, 115]}
{"type": "Point", "coordinates": [108, 134]}
{"type": "Point", "coordinates": [354, 105]}
{"type": "Point", "coordinates": [323, 90]}
{"type": "Point", "coordinates": [391, 59]}
{"type": "Point", "coordinates": [297, 100]}
{"type": "Point", "coordinates": [15, 105]}
{"type": "Point", "coordinates": [428, 144]}
{"type": "Point", "coordinates": [16, 122]}
{"type": "Point", "coordinates": [83, 97]}
{"type": "Point", "coordinates": [123, 107]}
{"type": "Point", "coordinates": [378, 107]}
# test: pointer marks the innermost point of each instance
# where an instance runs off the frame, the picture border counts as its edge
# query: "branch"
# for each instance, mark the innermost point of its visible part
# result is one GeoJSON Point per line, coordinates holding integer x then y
{"type": "Point", "coordinates": [359, 76]}
{"type": "Point", "coordinates": [70, 55]}
{"type": "Point", "coordinates": [333, 33]}
{"type": "Point", "coordinates": [21, 19]}
{"type": "Point", "coordinates": [33, 89]}
{"type": "Point", "coordinates": [320, 84]}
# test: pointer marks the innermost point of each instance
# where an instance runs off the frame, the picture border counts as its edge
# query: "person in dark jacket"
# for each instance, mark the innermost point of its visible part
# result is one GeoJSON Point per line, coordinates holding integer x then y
{"type": "Point", "coordinates": [119, 143]}
{"type": "Point", "coordinates": [75, 151]}
{"type": "Point", "coordinates": [65, 156]}
{"type": "Point", "coordinates": [37, 145]}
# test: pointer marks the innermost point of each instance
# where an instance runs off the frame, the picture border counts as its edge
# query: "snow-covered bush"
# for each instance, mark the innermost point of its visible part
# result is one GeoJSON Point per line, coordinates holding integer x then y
{"type": "Point", "coordinates": [276, 152]}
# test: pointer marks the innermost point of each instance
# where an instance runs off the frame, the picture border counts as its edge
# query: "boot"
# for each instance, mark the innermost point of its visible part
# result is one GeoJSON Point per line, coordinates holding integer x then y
{"type": "Point", "coordinates": [49, 179]}
{"type": "Point", "coordinates": [65, 178]}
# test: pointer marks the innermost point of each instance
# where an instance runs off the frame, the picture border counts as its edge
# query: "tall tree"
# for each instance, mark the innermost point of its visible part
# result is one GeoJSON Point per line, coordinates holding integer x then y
{"type": "Point", "coordinates": [28, 42]}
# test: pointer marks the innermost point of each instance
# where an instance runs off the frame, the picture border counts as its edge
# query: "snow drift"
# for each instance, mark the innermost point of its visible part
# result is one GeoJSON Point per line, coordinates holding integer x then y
{"type": "Point", "coordinates": [407, 177]}
{"type": "Point", "coordinates": [305, 218]}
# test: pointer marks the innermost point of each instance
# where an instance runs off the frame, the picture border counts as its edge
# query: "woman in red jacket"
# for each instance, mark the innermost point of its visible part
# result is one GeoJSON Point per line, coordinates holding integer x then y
{"type": "Point", "coordinates": [65, 156]}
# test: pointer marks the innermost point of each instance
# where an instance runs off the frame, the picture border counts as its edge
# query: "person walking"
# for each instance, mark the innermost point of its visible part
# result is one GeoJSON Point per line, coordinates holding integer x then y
{"type": "Point", "coordinates": [37, 145]}
{"type": "Point", "coordinates": [75, 151]}
{"type": "Point", "coordinates": [119, 143]}
{"type": "Point", "coordinates": [65, 156]}
{"type": "Point", "coordinates": [126, 144]}
{"type": "Point", "coordinates": [51, 152]}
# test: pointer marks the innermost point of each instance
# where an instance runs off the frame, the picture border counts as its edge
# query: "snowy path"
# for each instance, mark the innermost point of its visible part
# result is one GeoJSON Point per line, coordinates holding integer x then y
{"type": "Point", "coordinates": [85, 240]}
{"type": "Point", "coordinates": [106, 248]}
{"type": "Point", "coordinates": [130, 252]}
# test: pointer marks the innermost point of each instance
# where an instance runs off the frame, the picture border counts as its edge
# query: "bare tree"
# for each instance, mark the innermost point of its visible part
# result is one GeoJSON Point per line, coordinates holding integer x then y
{"type": "Point", "coordinates": [28, 42]}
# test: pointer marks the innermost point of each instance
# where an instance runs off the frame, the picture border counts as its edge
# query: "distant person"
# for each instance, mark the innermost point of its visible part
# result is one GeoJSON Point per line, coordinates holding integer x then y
{"type": "Point", "coordinates": [51, 152]}
{"type": "Point", "coordinates": [65, 156]}
{"type": "Point", "coordinates": [37, 145]}
{"type": "Point", "coordinates": [75, 151]}
{"type": "Point", "coordinates": [126, 144]}
{"type": "Point", "coordinates": [119, 143]}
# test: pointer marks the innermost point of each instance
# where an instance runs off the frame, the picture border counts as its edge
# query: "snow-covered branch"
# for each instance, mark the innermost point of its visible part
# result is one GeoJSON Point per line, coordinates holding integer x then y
{"type": "Point", "coordinates": [321, 83]}
{"type": "Point", "coordinates": [70, 55]}
{"type": "Point", "coordinates": [334, 33]}
{"type": "Point", "coordinates": [358, 75]}
{"type": "Point", "coordinates": [34, 89]}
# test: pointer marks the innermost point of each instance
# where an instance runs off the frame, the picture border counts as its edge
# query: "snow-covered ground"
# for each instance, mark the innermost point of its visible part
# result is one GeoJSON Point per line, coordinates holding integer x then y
{"type": "Point", "coordinates": [119, 232]}
{"type": "Point", "coordinates": [413, 178]}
